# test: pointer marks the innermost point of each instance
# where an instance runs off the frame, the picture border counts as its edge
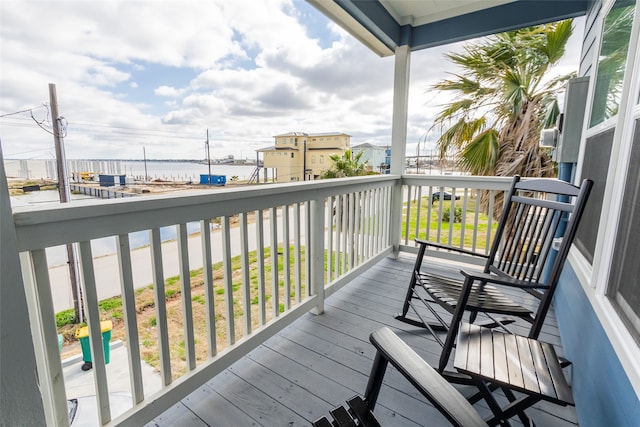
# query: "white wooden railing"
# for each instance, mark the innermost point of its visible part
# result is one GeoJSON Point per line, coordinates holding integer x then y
{"type": "Point", "coordinates": [428, 203]}
{"type": "Point", "coordinates": [283, 249]}
{"type": "Point", "coordinates": [282, 235]}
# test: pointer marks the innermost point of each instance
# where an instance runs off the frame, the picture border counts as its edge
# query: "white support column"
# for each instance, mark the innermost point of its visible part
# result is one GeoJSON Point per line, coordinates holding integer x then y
{"type": "Point", "coordinates": [399, 138]}
{"type": "Point", "coordinates": [20, 398]}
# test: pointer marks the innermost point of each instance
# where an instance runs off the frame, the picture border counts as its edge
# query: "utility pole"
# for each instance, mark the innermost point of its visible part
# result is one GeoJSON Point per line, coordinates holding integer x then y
{"type": "Point", "coordinates": [208, 158]}
{"type": "Point", "coordinates": [65, 196]}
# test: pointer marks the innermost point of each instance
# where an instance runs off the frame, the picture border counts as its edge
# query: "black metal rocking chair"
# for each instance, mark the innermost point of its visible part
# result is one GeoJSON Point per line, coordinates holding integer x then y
{"type": "Point", "coordinates": [521, 257]}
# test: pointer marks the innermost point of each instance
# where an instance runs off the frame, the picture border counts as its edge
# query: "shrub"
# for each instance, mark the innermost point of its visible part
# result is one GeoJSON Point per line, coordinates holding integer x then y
{"type": "Point", "coordinates": [457, 214]}
{"type": "Point", "coordinates": [66, 317]}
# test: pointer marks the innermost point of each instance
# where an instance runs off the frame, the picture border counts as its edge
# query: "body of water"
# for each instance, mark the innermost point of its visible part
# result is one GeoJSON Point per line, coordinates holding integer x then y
{"type": "Point", "coordinates": [167, 171]}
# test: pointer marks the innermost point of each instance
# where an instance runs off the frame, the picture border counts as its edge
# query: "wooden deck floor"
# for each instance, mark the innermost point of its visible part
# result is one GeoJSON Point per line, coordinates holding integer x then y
{"type": "Point", "coordinates": [320, 361]}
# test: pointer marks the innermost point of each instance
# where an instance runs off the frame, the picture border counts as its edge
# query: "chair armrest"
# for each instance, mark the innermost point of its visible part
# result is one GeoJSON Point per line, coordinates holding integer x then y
{"type": "Point", "coordinates": [427, 380]}
{"type": "Point", "coordinates": [449, 248]}
{"type": "Point", "coordinates": [502, 280]}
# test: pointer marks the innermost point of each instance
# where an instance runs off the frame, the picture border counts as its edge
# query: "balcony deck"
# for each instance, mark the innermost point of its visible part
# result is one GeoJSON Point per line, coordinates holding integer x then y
{"type": "Point", "coordinates": [318, 362]}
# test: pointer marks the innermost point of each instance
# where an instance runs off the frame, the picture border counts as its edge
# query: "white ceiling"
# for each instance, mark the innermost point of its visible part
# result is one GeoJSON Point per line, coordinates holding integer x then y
{"type": "Point", "coordinates": [418, 12]}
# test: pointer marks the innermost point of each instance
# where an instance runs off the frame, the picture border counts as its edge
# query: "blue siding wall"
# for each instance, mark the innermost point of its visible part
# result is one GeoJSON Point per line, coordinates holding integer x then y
{"type": "Point", "coordinates": [603, 394]}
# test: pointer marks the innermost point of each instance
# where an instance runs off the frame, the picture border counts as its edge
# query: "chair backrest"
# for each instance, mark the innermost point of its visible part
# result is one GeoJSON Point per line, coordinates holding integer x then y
{"type": "Point", "coordinates": [537, 212]}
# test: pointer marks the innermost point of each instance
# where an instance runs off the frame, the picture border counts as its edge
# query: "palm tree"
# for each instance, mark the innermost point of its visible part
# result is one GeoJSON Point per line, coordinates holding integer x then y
{"type": "Point", "coordinates": [502, 100]}
{"type": "Point", "coordinates": [346, 164]}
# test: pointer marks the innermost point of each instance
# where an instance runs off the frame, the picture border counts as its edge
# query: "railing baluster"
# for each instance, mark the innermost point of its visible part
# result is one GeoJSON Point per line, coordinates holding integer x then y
{"type": "Point", "coordinates": [352, 208]}
{"type": "Point", "coordinates": [463, 225]}
{"type": "Point", "coordinates": [228, 281]}
{"type": "Point", "coordinates": [130, 316]}
{"type": "Point", "coordinates": [418, 211]}
{"type": "Point", "coordinates": [262, 305]}
{"type": "Point", "coordinates": [330, 213]}
{"type": "Point", "coordinates": [408, 211]}
{"type": "Point", "coordinates": [338, 224]}
{"type": "Point", "coordinates": [95, 333]}
{"type": "Point", "coordinates": [440, 203]}
{"type": "Point", "coordinates": [35, 274]}
{"type": "Point", "coordinates": [363, 222]}
{"type": "Point", "coordinates": [492, 198]}
{"type": "Point", "coordinates": [275, 288]}
{"type": "Point", "coordinates": [246, 285]}
{"type": "Point", "coordinates": [161, 306]}
{"type": "Point", "coordinates": [207, 273]}
{"type": "Point", "coordinates": [297, 267]}
{"type": "Point", "coordinates": [307, 236]}
{"type": "Point", "coordinates": [452, 215]}
{"type": "Point", "coordinates": [286, 257]}
{"type": "Point", "coordinates": [345, 217]}
{"type": "Point", "coordinates": [356, 228]}
{"type": "Point", "coordinates": [316, 249]}
{"type": "Point", "coordinates": [374, 222]}
{"type": "Point", "coordinates": [429, 207]}
{"type": "Point", "coordinates": [476, 220]}
{"type": "Point", "coordinates": [187, 304]}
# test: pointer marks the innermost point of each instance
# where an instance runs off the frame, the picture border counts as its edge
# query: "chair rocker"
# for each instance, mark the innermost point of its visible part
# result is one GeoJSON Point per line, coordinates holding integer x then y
{"type": "Point", "coordinates": [391, 349]}
{"type": "Point", "coordinates": [521, 258]}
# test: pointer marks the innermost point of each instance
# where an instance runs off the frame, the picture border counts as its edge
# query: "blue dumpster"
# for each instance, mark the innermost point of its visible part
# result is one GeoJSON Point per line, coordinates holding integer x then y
{"type": "Point", "coordinates": [213, 179]}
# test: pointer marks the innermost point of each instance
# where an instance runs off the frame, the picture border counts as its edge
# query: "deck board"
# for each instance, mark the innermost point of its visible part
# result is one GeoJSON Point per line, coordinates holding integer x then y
{"type": "Point", "coordinates": [320, 361]}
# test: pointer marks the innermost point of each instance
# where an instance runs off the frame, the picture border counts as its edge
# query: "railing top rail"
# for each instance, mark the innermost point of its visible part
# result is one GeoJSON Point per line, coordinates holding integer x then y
{"type": "Point", "coordinates": [41, 227]}
{"type": "Point", "coordinates": [460, 181]}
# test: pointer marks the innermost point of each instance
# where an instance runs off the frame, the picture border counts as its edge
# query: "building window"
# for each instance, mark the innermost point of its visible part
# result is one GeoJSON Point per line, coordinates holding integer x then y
{"type": "Point", "coordinates": [321, 159]}
{"type": "Point", "coordinates": [291, 140]}
{"type": "Point", "coordinates": [612, 61]}
{"type": "Point", "coordinates": [624, 287]}
{"type": "Point", "coordinates": [313, 160]}
{"type": "Point", "coordinates": [292, 155]}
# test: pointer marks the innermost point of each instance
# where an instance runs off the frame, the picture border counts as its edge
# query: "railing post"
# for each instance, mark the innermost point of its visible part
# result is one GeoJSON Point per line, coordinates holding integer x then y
{"type": "Point", "coordinates": [396, 217]}
{"type": "Point", "coordinates": [399, 137]}
{"type": "Point", "coordinates": [317, 253]}
{"type": "Point", "coordinates": [20, 397]}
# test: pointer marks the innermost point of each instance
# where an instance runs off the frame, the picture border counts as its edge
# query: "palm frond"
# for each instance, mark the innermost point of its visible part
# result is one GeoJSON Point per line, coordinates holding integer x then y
{"type": "Point", "coordinates": [557, 38]}
{"type": "Point", "coordinates": [481, 154]}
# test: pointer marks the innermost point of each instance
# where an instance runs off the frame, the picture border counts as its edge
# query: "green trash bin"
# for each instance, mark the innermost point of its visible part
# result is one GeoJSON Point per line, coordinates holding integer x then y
{"type": "Point", "coordinates": [82, 334]}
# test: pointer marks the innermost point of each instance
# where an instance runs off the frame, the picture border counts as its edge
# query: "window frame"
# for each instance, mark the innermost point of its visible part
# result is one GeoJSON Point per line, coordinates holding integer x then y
{"type": "Point", "coordinates": [594, 277]}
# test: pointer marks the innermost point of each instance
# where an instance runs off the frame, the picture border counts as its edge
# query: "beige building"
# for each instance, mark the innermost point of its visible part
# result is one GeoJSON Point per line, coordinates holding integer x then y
{"type": "Point", "coordinates": [296, 152]}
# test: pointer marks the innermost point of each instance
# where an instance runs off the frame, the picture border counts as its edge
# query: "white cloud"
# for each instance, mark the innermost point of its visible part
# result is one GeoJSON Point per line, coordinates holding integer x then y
{"type": "Point", "coordinates": [158, 74]}
{"type": "Point", "coordinates": [170, 92]}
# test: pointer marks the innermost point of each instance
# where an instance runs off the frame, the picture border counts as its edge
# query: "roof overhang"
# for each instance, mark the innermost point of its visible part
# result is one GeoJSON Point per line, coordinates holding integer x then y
{"type": "Point", "coordinates": [383, 25]}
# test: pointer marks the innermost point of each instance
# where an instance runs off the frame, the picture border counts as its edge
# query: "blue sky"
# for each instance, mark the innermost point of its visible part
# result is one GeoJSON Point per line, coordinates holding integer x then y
{"type": "Point", "coordinates": [133, 74]}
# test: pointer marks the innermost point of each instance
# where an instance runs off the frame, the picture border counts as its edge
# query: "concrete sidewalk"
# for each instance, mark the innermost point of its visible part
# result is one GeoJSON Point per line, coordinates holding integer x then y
{"type": "Point", "coordinates": [80, 385]}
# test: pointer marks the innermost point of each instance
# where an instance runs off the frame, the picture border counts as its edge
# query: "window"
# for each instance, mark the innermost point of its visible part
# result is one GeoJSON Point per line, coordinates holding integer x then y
{"type": "Point", "coordinates": [624, 287]}
{"type": "Point", "coordinates": [612, 61]}
{"type": "Point", "coordinates": [321, 159]}
{"type": "Point", "coordinates": [292, 154]}
{"type": "Point", "coordinates": [313, 160]}
{"type": "Point", "coordinates": [595, 166]}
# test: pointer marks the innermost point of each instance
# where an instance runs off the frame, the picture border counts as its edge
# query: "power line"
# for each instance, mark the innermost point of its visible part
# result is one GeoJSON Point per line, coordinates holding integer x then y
{"type": "Point", "coordinates": [28, 110]}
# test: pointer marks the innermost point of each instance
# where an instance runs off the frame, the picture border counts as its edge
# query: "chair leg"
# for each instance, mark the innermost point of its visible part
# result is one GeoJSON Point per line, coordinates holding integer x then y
{"type": "Point", "coordinates": [412, 284]}
{"type": "Point", "coordinates": [456, 319]}
{"type": "Point", "coordinates": [375, 380]}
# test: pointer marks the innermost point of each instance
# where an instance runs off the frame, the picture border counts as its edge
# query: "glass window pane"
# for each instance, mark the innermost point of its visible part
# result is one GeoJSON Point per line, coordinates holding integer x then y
{"type": "Point", "coordinates": [624, 287]}
{"type": "Point", "coordinates": [612, 61]}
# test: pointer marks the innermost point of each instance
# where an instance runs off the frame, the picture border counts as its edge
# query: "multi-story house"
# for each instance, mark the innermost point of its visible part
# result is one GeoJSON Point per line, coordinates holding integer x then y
{"type": "Point", "coordinates": [299, 156]}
